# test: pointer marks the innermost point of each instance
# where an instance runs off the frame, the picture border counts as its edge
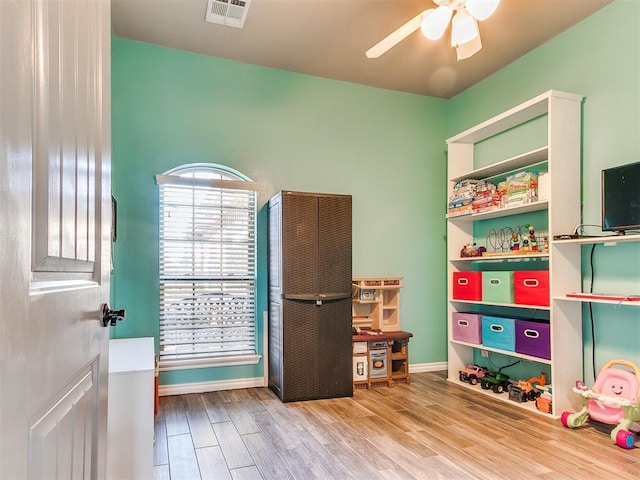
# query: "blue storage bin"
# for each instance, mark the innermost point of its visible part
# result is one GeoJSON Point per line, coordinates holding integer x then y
{"type": "Point", "coordinates": [499, 332]}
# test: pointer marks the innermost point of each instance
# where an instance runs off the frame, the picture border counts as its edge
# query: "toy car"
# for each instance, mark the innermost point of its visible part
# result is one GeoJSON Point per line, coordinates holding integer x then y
{"type": "Point", "coordinates": [496, 381]}
{"type": "Point", "coordinates": [472, 374]}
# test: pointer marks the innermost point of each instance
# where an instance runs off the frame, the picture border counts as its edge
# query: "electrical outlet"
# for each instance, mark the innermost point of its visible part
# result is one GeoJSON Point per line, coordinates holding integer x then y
{"type": "Point", "coordinates": [485, 353]}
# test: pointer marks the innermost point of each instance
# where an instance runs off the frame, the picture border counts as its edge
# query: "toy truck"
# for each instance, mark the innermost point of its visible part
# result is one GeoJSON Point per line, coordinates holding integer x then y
{"type": "Point", "coordinates": [496, 381]}
{"type": "Point", "coordinates": [472, 374]}
{"type": "Point", "coordinates": [523, 390]}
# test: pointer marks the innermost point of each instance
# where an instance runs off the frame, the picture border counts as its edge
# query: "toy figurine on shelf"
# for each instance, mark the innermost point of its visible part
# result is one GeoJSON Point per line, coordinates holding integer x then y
{"type": "Point", "coordinates": [521, 239]}
{"type": "Point", "coordinates": [532, 238]}
{"type": "Point", "coordinates": [515, 242]}
{"type": "Point", "coordinates": [471, 251]}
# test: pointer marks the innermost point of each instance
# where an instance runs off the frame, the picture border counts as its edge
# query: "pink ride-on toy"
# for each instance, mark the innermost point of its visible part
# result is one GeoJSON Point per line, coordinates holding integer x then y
{"type": "Point", "coordinates": [614, 399]}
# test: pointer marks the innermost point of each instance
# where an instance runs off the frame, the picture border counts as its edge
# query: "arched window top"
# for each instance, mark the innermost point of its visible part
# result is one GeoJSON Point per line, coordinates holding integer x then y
{"type": "Point", "coordinates": [207, 170]}
{"type": "Point", "coordinates": [206, 175]}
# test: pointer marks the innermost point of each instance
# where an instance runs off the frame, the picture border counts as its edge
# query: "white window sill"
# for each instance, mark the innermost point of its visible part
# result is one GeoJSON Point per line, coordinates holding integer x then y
{"type": "Point", "coordinates": [167, 365]}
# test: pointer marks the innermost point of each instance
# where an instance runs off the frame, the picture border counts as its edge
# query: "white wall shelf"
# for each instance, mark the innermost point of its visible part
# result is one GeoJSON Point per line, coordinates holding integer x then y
{"type": "Point", "coordinates": [495, 304]}
{"type": "Point", "coordinates": [576, 243]}
{"type": "Point", "coordinates": [599, 239]}
{"type": "Point", "coordinates": [560, 158]}
{"type": "Point", "coordinates": [501, 212]}
{"type": "Point", "coordinates": [503, 352]}
{"type": "Point", "coordinates": [501, 258]}
{"type": "Point", "coordinates": [528, 159]}
{"type": "Point", "coordinates": [530, 406]}
{"type": "Point", "coordinates": [627, 303]}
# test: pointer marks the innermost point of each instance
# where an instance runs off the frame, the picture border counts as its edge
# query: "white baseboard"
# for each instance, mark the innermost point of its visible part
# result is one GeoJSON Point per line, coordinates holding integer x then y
{"type": "Point", "coordinates": [427, 367]}
{"type": "Point", "coordinates": [201, 387]}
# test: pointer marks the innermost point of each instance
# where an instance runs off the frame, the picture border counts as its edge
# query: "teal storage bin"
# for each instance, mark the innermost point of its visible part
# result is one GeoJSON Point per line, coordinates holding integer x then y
{"type": "Point", "coordinates": [499, 332]}
{"type": "Point", "coordinates": [497, 287]}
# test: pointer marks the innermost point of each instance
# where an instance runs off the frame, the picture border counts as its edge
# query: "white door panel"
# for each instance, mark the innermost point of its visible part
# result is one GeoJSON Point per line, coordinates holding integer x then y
{"type": "Point", "coordinates": [55, 214]}
{"type": "Point", "coordinates": [65, 429]}
{"type": "Point", "coordinates": [67, 106]}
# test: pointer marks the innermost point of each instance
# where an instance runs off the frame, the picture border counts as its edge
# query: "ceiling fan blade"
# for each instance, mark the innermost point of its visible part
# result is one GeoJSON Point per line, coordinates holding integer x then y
{"type": "Point", "coordinates": [468, 49]}
{"type": "Point", "coordinates": [482, 9]}
{"type": "Point", "coordinates": [435, 22]}
{"type": "Point", "coordinates": [395, 37]}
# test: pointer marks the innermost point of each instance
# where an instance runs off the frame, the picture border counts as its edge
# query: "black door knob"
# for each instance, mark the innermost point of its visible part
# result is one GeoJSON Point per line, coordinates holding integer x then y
{"type": "Point", "coordinates": [111, 317]}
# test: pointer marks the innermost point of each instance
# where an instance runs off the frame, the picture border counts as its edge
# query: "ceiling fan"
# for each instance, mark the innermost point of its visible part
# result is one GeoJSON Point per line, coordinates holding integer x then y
{"type": "Point", "coordinates": [434, 21]}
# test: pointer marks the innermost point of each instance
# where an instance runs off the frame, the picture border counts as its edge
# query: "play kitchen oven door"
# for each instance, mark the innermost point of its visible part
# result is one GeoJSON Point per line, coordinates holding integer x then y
{"type": "Point", "coordinates": [378, 360]}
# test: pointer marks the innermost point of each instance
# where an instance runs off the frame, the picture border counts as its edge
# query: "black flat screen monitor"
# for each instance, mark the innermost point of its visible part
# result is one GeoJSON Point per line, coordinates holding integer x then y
{"type": "Point", "coordinates": [621, 198]}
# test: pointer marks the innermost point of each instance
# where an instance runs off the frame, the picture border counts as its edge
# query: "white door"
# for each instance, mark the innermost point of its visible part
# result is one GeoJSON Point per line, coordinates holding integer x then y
{"type": "Point", "coordinates": [55, 218]}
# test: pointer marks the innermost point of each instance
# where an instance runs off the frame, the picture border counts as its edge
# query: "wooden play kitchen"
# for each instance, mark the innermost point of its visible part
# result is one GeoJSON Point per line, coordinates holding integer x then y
{"type": "Point", "coordinates": [381, 359]}
{"type": "Point", "coordinates": [375, 303]}
{"type": "Point", "coordinates": [380, 347]}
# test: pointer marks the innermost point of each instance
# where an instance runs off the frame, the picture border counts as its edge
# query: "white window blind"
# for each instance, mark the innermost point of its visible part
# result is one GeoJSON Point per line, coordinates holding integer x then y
{"type": "Point", "coordinates": [207, 265]}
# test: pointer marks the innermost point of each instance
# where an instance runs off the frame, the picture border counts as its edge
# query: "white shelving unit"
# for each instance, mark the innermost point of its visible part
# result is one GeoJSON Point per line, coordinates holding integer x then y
{"type": "Point", "coordinates": [560, 157]}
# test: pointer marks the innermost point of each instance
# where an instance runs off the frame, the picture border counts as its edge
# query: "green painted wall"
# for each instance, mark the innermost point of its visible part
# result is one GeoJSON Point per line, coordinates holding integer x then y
{"type": "Point", "coordinates": [600, 59]}
{"type": "Point", "coordinates": [387, 149]}
{"type": "Point", "coordinates": [285, 131]}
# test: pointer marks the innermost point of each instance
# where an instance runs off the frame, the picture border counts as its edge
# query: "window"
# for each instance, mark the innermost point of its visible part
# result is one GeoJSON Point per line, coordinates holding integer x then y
{"type": "Point", "coordinates": [207, 267]}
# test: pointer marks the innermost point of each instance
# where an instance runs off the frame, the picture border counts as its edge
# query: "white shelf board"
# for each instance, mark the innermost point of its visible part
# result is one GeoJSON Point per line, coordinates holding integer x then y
{"type": "Point", "coordinates": [524, 112]}
{"type": "Point", "coordinates": [503, 352]}
{"type": "Point", "coordinates": [499, 258]}
{"type": "Point", "coordinates": [503, 397]}
{"type": "Point", "coordinates": [602, 239]}
{"type": "Point", "coordinates": [597, 300]}
{"type": "Point", "coordinates": [525, 160]}
{"type": "Point", "coordinates": [502, 212]}
{"type": "Point", "coordinates": [512, 305]}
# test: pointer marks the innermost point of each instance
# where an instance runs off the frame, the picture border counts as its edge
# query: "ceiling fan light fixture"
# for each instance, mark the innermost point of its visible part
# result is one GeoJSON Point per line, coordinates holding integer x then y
{"type": "Point", "coordinates": [482, 9]}
{"type": "Point", "coordinates": [435, 22]}
{"type": "Point", "coordinates": [464, 28]}
{"type": "Point", "coordinates": [465, 36]}
{"type": "Point", "coordinates": [468, 49]}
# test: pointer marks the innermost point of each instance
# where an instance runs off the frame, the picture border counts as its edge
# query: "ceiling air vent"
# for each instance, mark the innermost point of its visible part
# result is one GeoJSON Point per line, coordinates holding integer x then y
{"type": "Point", "coordinates": [227, 12]}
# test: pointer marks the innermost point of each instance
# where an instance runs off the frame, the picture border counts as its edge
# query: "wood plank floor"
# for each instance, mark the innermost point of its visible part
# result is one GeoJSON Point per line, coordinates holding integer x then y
{"type": "Point", "coordinates": [429, 429]}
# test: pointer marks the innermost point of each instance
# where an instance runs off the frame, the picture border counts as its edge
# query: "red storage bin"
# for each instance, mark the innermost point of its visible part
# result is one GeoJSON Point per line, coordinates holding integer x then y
{"type": "Point", "coordinates": [531, 287]}
{"type": "Point", "coordinates": [467, 285]}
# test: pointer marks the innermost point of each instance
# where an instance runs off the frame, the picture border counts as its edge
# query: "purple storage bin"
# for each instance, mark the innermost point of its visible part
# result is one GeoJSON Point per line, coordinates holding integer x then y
{"type": "Point", "coordinates": [467, 327]}
{"type": "Point", "coordinates": [533, 338]}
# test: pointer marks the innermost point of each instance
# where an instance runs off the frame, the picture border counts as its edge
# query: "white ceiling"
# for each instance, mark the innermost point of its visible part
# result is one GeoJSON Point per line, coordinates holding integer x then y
{"type": "Point", "coordinates": [328, 38]}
